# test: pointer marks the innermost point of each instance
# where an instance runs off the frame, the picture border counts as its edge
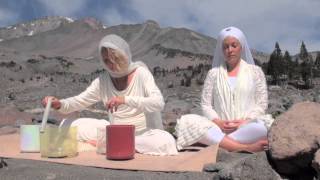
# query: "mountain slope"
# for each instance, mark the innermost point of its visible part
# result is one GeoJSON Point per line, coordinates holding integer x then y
{"type": "Point", "coordinates": [156, 46]}
{"type": "Point", "coordinates": [33, 27]}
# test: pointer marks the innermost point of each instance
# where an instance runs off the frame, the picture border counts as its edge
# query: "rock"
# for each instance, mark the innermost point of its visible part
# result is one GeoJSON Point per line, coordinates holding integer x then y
{"type": "Point", "coordinates": [274, 88]}
{"type": "Point", "coordinates": [294, 137]}
{"type": "Point", "coordinates": [8, 130]}
{"type": "Point", "coordinates": [242, 166]}
{"type": "Point", "coordinates": [316, 97]}
{"type": "Point", "coordinates": [170, 84]}
{"type": "Point", "coordinates": [174, 109]}
{"type": "Point", "coordinates": [316, 163]}
{"type": "Point", "coordinates": [3, 163]}
{"type": "Point", "coordinates": [287, 103]}
{"type": "Point", "coordinates": [11, 116]}
{"type": "Point", "coordinates": [226, 156]}
{"type": "Point", "coordinates": [275, 107]}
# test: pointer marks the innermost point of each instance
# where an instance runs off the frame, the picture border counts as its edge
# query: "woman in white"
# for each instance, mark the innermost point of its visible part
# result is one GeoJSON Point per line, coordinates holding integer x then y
{"type": "Point", "coordinates": [129, 93]}
{"type": "Point", "coordinates": [233, 101]}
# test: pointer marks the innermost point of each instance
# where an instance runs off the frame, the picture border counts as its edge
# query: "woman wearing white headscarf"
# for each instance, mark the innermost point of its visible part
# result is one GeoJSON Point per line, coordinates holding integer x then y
{"type": "Point", "coordinates": [233, 101]}
{"type": "Point", "coordinates": [129, 93]}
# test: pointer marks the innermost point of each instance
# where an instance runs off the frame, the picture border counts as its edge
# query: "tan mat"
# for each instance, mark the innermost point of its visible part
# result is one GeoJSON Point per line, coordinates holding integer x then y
{"type": "Point", "coordinates": [185, 161]}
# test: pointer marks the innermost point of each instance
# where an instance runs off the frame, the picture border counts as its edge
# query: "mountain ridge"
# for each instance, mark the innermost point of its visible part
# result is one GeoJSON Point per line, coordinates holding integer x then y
{"type": "Point", "coordinates": [80, 38]}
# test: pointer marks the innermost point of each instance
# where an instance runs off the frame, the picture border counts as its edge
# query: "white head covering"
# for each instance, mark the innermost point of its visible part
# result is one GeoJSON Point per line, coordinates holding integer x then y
{"type": "Point", "coordinates": [219, 58]}
{"type": "Point", "coordinates": [116, 42]}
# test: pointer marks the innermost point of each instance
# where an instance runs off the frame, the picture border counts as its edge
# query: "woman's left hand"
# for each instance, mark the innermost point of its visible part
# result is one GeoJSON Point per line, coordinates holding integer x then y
{"type": "Point", "coordinates": [231, 126]}
{"type": "Point", "coordinates": [114, 102]}
{"type": "Point", "coordinates": [239, 122]}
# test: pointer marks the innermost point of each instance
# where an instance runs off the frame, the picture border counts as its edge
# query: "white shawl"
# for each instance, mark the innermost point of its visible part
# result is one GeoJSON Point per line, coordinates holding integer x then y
{"type": "Point", "coordinates": [233, 104]}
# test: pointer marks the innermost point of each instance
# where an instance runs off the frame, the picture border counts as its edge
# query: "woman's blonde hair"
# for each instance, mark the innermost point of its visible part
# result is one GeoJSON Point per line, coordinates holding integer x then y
{"type": "Point", "coordinates": [117, 58]}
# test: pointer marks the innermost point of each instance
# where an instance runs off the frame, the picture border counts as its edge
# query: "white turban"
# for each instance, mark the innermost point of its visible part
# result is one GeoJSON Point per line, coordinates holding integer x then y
{"type": "Point", "coordinates": [236, 33]}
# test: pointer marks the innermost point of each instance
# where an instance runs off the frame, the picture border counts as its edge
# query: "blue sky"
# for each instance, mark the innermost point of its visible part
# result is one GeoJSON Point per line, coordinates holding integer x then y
{"type": "Point", "coordinates": [264, 22]}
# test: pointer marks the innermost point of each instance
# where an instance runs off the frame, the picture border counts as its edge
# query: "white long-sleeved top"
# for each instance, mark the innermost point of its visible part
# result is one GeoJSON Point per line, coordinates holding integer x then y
{"type": "Point", "coordinates": [257, 96]}
{"type": "Point", "coordinates": [143, 99]}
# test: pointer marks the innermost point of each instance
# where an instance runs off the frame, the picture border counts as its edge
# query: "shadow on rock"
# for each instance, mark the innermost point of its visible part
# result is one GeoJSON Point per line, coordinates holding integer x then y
{"type": "Point", "coordinates": [3, 163]}
{"type": "Point", "coordinates": [232, 165]}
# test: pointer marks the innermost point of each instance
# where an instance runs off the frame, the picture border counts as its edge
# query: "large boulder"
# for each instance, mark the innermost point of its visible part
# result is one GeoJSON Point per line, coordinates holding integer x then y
{"type": "Point", "coordinates": [294, 138]}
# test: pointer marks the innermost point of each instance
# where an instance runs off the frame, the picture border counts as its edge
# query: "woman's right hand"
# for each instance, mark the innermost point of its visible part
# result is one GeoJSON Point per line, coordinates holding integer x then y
{"type": "Point", "coordinates": [219, 122]}
{"type": "Point", "coordinates": [55, 102]}
{"type": "Point", "coordinates": [225, 126]}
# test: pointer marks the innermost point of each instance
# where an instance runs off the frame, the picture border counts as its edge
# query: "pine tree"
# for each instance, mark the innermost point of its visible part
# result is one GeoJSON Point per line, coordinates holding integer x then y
{"type": "Point", "coordinates": [317, 62]}
{"type": "Point", "coordinates": [275, 68]}
{"type": "Point", "coordinates": [288, 65]}
{"type": "Point", "coordinates": [316, 70]}
{"type": "Point", "coordinates": [296, 69]}
{"type": "Point", "coordinates": [277, 49]}
{"type": "Point", "coordinates": [271, 67]}
{"type": "Point", "coordinates": [303, 52]}
{"type": "Point", "coordinates": [306, 66]}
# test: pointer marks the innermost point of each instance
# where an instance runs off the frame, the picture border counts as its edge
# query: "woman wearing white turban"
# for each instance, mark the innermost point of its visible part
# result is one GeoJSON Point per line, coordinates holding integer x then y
{"type": "Point", "coordinates": [129, 93]}
{"type": "Point", "coordinates": [233, 101]}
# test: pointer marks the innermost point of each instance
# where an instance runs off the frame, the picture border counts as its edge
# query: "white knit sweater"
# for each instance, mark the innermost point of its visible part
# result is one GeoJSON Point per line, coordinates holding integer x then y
{"type": "Point", "coordinates": [248, 101]}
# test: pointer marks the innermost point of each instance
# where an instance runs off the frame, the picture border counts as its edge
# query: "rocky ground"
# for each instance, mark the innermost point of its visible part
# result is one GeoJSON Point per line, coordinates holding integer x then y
{"type": "Point", "coordinates": [18, 169]}
{"type": "Point", "coordinates": [25, 91]}
{"type": "Point", "coordinates": [179, 100]}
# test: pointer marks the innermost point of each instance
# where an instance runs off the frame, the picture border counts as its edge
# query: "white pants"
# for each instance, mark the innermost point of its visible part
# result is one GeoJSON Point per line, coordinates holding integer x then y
{"type": "Point", "coordinates": [153, 142]}
{"type": "Point", "coordinates": [248, 133]}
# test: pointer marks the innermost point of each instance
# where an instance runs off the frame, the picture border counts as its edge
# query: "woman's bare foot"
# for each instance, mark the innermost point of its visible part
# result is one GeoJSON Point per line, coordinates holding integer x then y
{"type": "Point", "coordinates": [92, 142]}
{"type": "Point", "coordinates": [257, 146]}
{"type": "Point", "coordinates": [232, 145]}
